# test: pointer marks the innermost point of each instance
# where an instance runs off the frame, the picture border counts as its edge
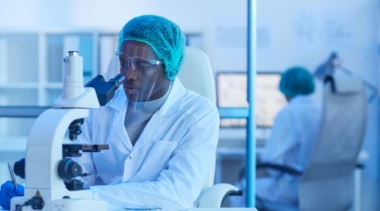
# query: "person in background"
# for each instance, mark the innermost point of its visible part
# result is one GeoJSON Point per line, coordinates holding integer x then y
{"type": "Point", "coordinates": [162, 137]}
{"type": "Point", "coordinates": [294, 134]}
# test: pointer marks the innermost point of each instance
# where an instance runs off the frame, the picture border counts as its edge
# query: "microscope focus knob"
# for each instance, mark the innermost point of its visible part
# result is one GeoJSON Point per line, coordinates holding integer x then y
{"type": "Point", "coordinates": [68, 169]}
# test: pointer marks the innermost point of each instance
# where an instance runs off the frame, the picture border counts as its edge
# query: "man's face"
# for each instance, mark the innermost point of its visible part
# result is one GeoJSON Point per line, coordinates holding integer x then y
{"type": "Point", "coordinates": [144, 74]}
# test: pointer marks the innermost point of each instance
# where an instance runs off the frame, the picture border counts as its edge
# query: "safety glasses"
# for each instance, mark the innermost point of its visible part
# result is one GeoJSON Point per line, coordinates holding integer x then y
{"type": "Point", "coordinates": [136, 63]}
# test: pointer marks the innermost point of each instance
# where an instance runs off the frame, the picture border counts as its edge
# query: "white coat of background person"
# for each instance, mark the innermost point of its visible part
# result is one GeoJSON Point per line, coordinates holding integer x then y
{"type": "Point", "coordinates": [162, 138]}
{"type": "Point", "coordinates": [293, 136]}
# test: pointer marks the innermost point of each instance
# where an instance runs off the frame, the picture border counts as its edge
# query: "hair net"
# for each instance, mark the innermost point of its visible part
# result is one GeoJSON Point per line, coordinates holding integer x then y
{"type": "Point", "coordinates": [162, 35]}
{"type": "Point", "coordinates": [296, 81]}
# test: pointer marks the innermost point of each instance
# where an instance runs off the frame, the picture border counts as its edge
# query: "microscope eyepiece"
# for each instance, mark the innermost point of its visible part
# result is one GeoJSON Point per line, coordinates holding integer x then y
{"type": "Point", "coordinates": [73, 53]}
{"type": "Point", "coordinates": [117, 80]}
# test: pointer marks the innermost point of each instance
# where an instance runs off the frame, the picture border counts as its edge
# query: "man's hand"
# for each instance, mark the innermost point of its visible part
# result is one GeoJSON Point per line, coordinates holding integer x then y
{"type": "Point", "coordinates": [8, 191]}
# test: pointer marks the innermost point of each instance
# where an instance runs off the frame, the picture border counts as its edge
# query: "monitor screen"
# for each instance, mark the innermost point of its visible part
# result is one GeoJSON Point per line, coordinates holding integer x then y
{"type": "Point", "coordinates": [232, 93]}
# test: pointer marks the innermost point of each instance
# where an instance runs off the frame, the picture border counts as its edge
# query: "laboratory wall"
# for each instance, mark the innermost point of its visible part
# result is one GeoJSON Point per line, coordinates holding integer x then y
{"type": "Point", "coordinates": [289, 33]}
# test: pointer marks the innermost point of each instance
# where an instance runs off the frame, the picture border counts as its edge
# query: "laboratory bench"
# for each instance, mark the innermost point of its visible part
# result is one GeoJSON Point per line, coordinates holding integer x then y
{"type": "Point", "coordinates": [230, 158]}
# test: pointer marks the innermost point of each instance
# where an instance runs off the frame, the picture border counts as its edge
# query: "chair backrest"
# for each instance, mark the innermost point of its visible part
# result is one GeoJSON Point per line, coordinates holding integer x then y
{"type": "Point", "coordinates": [197, 75]}
{"type": "Point", "coordinates": [327, 183]}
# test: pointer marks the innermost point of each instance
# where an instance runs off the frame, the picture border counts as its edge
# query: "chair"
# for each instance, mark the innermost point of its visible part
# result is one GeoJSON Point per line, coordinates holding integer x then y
{"type": "Point", "coordinates": [197, 75]}
{"type": "Point", "coordinates": [327, 182]}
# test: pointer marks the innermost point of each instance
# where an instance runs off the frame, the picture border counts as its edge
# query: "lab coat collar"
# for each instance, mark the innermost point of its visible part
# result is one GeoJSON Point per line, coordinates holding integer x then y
{"type": "Point", "coordinates": [119, 103]}
{"type": "Point", "coordinates": [171, 105]}
{"type": "Point", "coordinates": [302, 99]}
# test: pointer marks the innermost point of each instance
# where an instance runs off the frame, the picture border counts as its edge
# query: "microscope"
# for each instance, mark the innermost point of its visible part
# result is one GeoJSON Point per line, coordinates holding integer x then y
{"type": "Point", "coordinates": [50, 183]}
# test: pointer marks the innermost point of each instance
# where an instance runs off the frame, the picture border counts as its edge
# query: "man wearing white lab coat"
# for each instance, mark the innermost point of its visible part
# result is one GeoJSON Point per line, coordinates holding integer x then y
{"type": "Point", "coordinates": [162, 141]}
{"type": "Point", "coordinates": [293, 136]}
{"type": "Point", "coordinates": [168, 164]}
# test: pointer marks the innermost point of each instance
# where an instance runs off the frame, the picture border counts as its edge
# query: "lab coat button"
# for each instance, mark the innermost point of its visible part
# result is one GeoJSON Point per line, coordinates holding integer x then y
{"type": "Point", "coordinates": [131, 156]}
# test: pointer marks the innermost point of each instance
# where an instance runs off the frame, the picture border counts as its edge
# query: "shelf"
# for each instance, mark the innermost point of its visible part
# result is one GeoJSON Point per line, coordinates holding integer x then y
{"type": "Point", "coordinates": [31, 65]}
{"type": "Point", "coordinates": [19, 85]}
{"type": "Point", "coordinates": [54, 85]}
{"type": "Point", "coordinates": [17, 97]}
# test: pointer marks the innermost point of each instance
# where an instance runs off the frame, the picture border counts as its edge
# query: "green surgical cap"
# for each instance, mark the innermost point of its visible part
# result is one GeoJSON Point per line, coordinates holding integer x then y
{"type": "Point", "coordinates": [296, 81]}
{"type": "Point", "coordinates": [162, 35]}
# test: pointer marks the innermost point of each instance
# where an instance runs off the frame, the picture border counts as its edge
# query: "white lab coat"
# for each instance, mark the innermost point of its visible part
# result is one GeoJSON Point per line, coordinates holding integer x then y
{"type": "Point", "coordinates": [170, 162]}
{"type": "Point", "coordinates": [292, 140]}
{"type": "Point", "coordinates": [293, 136]}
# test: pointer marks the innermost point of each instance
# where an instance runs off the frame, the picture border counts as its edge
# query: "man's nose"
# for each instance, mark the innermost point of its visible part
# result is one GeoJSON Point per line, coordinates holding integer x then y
{"type": "Point", "coordinates": [130, 73]}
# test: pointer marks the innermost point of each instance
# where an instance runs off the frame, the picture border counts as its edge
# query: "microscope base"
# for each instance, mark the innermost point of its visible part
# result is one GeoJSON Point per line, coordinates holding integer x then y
{"type": "Point", "coordinates": [66, 205]}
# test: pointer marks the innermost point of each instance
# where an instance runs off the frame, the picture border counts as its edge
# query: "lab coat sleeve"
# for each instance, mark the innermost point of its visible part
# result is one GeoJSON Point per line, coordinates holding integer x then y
{"type": "Point", "coordinates": [282, 139]}
{"type": "Point", "coordinates": [179, 185]}
{"type": "Point", "coordinates": [86, 160]}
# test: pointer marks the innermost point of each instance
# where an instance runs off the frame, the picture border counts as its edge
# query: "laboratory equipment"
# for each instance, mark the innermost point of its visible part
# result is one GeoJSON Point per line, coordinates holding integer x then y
{"type": "Point", "coordinates": [45, 170]}
{"type": "Point", "coordinates": [232, 93]}
{"type": "Point", "coordinates": [328, 67]}
{"type": "Point", "coordinates": [12, 173]}
{"type": "Point", "coordinates": [333, 65]}
{"type": "Point", "coordinates": [19, 168]}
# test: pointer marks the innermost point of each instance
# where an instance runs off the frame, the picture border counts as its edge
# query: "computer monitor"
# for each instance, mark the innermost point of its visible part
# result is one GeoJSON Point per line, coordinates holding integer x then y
{"type": "Point", "coordinates": [232, 93]}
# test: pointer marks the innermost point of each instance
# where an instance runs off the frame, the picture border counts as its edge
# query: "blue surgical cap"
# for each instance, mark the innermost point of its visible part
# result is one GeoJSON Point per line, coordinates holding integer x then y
{"type": "Point", "coordinates": [296, 81]}
{"type": "Point", "coordinates": [162, 35]}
